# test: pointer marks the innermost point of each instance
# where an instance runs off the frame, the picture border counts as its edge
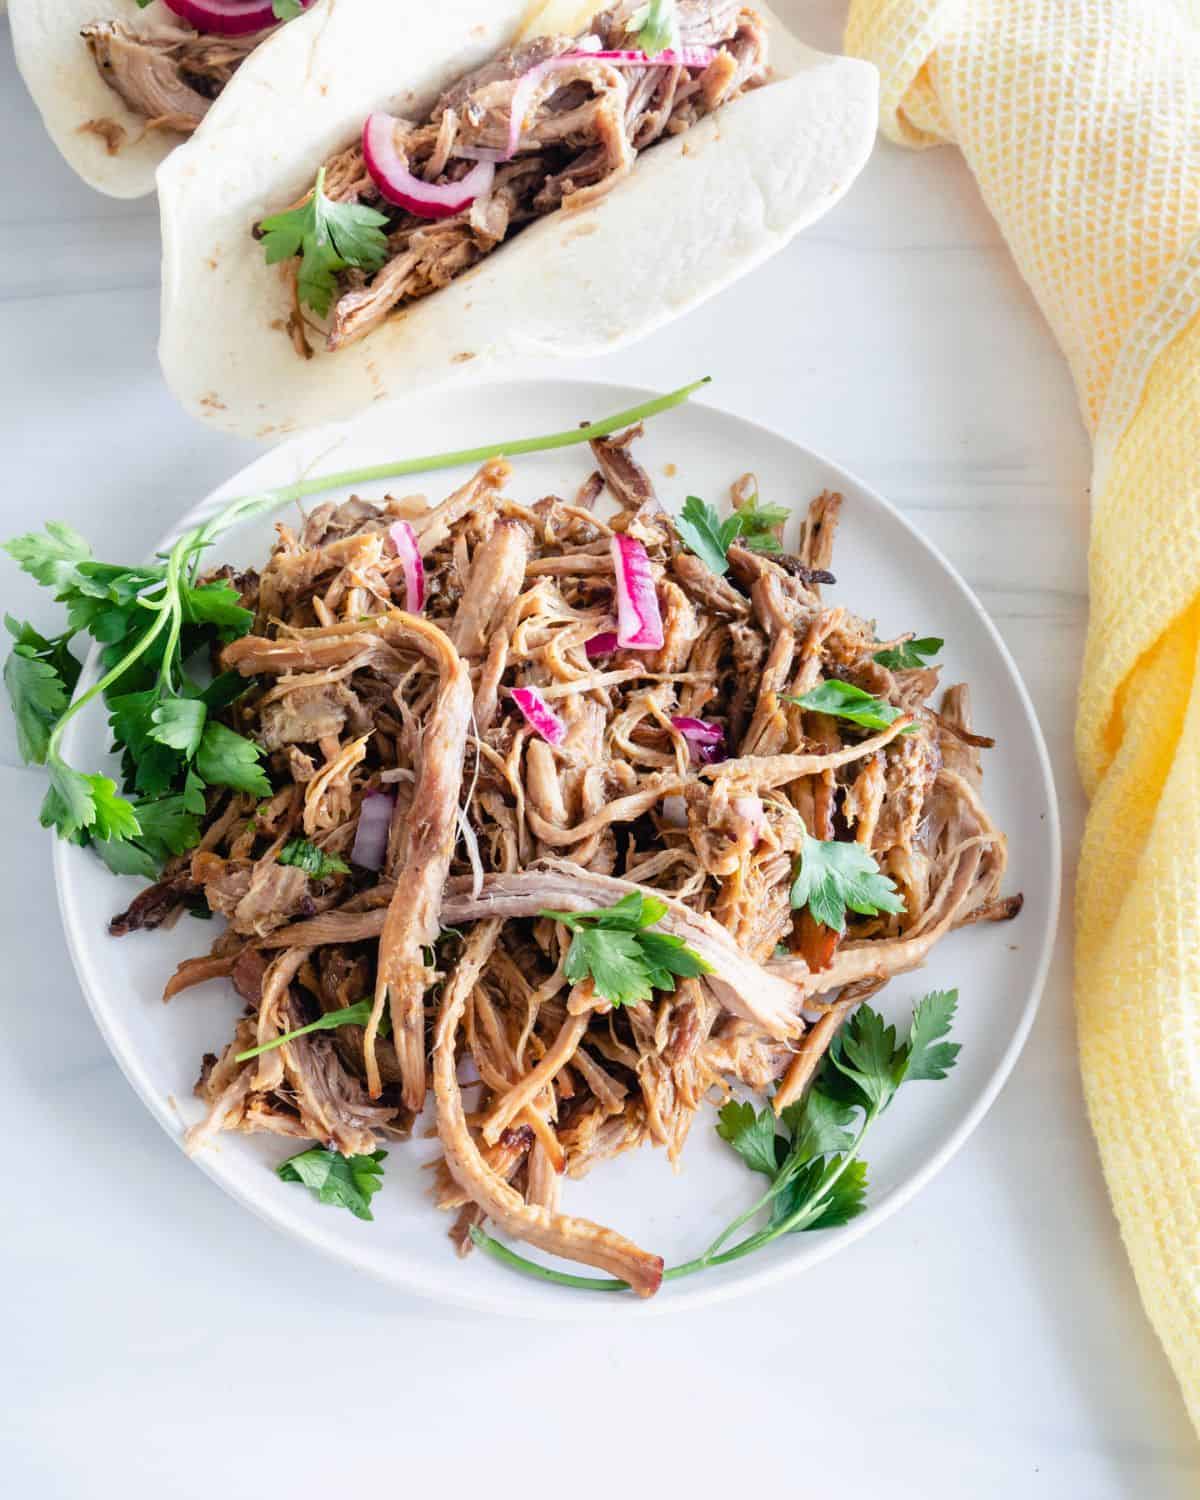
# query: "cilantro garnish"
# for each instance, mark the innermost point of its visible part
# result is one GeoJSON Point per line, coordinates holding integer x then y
{"type": "Point", "coordinates": [833, 876]}
{"type": "Point", "coordinates": [910, 654]}
{"type": "Point", "coordinates": [845, 701]}
{"type": "Point", "coordinates": [345, 1181]}
{"type": "Point", "coordinates": [327, 237]}
{"type": "Point", "coordinates": [313, 861]}
{"type": "Point", "coordinates": [624, 960]}
{"type": "Point", "coordinates": [287, 10]}
{"type": "Point", "coordinates": [810, 1154]}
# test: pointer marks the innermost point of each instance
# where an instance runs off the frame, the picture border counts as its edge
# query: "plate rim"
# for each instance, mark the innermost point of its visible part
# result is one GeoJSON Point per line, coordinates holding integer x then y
{"type": "Point", "coordinates": [459, 1291]}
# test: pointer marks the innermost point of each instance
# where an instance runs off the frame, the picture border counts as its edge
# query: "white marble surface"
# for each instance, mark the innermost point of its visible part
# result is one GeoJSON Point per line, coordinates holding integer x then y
{"type": "Point", "coordinates": [158, 1341]}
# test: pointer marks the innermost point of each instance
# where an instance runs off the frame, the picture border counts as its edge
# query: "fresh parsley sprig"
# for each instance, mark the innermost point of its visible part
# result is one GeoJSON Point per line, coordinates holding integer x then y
{"type": "Point", "coordinates": [344, 1181]}
{"type": "Point", "coordinates": [328, 237]}
{"type": "Point", "coordinates": [835, 875]}
{"type": "Point", "coordinates": [703, 532]}
{"type": "Point", "coordinates": [910, 654]}
{"type": "Point", "coordinates": [811, 1153]}
{"type": "Point", "coordinates": [626, 962]}
{"type": "Point", "coordinates": [149, 622]}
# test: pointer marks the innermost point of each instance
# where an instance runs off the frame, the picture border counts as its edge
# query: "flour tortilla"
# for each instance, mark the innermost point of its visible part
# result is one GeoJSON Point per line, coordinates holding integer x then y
{"type": "Point", "coordinates": [69, 92]}
{"type": "Point", "coordinates": [697, 211]}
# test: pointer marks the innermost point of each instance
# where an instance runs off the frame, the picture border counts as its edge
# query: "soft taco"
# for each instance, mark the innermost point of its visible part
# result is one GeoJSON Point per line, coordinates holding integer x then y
{"type": "Point", "coordinates": [424, 195]}
{"type": "Point", "coordinates": [120, 83]}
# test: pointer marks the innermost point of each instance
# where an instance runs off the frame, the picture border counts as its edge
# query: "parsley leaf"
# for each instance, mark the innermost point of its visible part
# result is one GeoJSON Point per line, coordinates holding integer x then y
{"type": "Point", "coordinates": [328, 237]}
{"type": "Point", "coordinates": [910, 654]}
{"type": "Point", "coordinates": [168, 825]}
{"type": "Point", "coordinates": [38, 695]}
{"type": "Point", "coordinates": [53, 649]}
{"type": "Point", "coordinates": [284, 10]}
{"type": "Point", "coordinates": [624, 961]}
{"type": "Point", "coordinates": [654, 26]}
{"type": "Point", "coordinates": [928, 1056]}
{"type": "Point", "coordinates": [845, 1199]}
{"type": "Point", "coordinates": [75, 802]}
{"type": "Point", "coordinates": [50, 557]}
{"type": "Point", "coordinates": [751, 1135]}
{"type": "Point", "coordinates": [757, 525]}
{"type": "Point", "coordinates": [179, 724]}
{"type": "Point", "coordinates": [226, 758]}
{"type": "Point", "coordinates": [866, 1055]}
{"type": "Point", "coordinates": [313, 861]}
{"type": "Point", "coordinates": [818, 1125]}
{"type": "Point", "coordinates": [345, 1181]}
{"type": "Point", "coordinates": [705, 534]}
{"type": "Point", "coordinates": [845, 701]}
{"type": "Point", "coordinates": [612, 959]}
{"type": "Point", "coordinates": [832, 876]}
{"type": "Point", "coordinates": [357, 1014]}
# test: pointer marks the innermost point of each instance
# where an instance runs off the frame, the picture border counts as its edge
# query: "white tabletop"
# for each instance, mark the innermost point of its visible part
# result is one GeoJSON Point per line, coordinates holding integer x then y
{"type": "Point", "coordinates": [159, 1341]}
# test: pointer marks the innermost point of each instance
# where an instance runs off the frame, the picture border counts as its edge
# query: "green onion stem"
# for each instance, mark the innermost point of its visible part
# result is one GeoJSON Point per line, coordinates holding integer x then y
{"type": "Point", "coordinates": [251, 505]}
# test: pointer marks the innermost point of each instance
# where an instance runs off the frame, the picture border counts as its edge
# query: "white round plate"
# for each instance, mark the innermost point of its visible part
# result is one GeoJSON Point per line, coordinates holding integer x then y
{"type": "Point", "coordinates": [885, 571]}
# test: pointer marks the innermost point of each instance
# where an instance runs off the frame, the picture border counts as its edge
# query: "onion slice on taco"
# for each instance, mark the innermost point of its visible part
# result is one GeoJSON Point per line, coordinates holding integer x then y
{"type": "Point", "coordinates": [406, 210]}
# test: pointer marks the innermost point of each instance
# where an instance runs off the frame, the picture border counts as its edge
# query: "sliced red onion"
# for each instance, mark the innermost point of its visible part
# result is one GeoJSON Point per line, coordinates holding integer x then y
{"type": "Point", "coordinates": [539, 715]}
{"type": "Point", "coordinates": [588, 49]}
{"type": "Point", "coordinates": [374, 821]}
{"type": "Point", "coordinates": [639, 623]}
{"type": "Point", "coordinates": [749, 811]}
{"type": "Point", "coordinates": [669, 57]}
{"type": "Point", "coordinates": [226, 17]}
{"type": "Point", "coordinates": [404, 539]}
{"type": "Point", "coordinates": [603, 644]}
{"type": "Point", "coordinates": [688, 57]}
{"type": "Point", "coordinates": [391, 176]}
{"type": "Point", "coordinates": [706, 742]}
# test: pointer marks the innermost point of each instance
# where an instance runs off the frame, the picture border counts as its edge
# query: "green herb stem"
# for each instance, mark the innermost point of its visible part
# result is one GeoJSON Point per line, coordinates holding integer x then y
{"type": "Point", "coordinates": [713, 1256]}
{"type": "Point", "coordinates": [251, 505]}
{"type": "Point", "coordinates": [113, 675]}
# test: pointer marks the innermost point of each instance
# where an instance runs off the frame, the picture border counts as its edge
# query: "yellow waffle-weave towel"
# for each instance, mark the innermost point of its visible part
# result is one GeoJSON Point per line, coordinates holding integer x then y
{"type": "Point", "coordinates": [1081, 120]}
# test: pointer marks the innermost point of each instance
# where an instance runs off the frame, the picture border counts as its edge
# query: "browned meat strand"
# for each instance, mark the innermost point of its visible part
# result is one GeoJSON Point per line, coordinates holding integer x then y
{"type": "Point", "coordinates": [535, 1079]}
{"type": "Point", "coordinates": [168, 75]}
{"type": "Point", "coordinates": [584, 122]}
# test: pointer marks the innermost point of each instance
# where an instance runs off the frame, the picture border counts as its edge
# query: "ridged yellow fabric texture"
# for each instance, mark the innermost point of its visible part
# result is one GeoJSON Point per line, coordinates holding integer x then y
{"type": "Point", "coordinates": [1081, 121]}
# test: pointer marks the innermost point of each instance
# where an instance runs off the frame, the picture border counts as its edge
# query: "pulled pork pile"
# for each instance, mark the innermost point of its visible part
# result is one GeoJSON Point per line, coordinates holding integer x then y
{"type": "Point", "coordinates": [584, 122]}
{"type": "Point", "coordinates": [350, 695]}
{"type": "Point", "coordinates": [168, 75]}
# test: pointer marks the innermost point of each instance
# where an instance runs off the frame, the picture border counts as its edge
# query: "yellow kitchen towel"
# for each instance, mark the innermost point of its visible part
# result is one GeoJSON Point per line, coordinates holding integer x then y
{"type": "Point", "coordinates": [1081, 120]}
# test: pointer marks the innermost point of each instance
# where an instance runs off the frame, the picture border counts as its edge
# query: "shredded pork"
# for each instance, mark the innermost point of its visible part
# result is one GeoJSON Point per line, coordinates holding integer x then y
{"type": "Point", "coordinates": [169, 75]}
{"type": "Point", "coordinates": [536, 1079]}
